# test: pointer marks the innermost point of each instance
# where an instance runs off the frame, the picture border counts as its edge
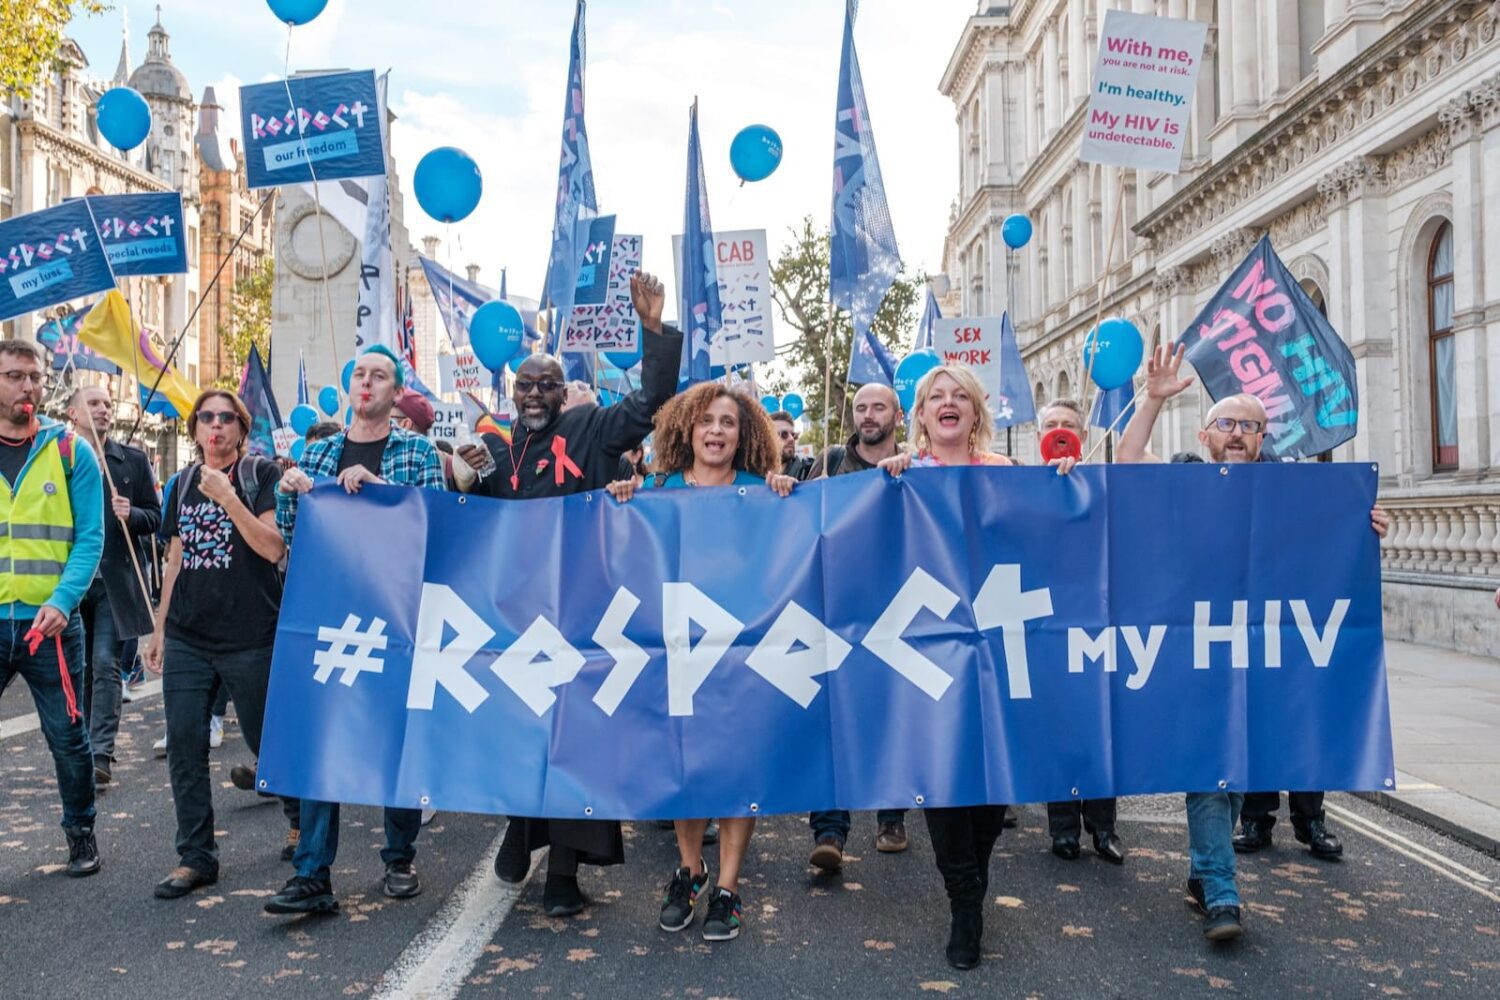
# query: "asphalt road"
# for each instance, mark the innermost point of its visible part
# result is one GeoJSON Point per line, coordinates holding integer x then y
{"type": "Point", "coordinates": [1408, 913]}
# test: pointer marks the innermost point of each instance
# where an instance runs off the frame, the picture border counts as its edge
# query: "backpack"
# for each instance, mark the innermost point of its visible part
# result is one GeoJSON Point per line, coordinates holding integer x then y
{"type": "Point", "coordinates": [833, 461]}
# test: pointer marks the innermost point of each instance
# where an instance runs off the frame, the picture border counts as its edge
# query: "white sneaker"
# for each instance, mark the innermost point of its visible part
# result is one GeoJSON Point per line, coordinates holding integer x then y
{"type": "Point", "coordinates": [160, 746]}
{"type": "Point", "coordinates": [127, 693]}
{"type": "Point", "coordinates": [215, 731]}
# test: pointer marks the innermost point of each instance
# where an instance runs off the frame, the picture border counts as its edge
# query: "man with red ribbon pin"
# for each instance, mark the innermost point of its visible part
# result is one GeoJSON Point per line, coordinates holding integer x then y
{"type": "Point", "coordinates": [51, 537]}
{"type": "Point", "coordinates": [556, 452]}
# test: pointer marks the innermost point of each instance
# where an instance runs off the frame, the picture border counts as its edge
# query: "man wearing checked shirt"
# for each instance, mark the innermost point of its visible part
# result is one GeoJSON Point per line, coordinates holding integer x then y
{"type": "Point", "coordinates": [371, 450]}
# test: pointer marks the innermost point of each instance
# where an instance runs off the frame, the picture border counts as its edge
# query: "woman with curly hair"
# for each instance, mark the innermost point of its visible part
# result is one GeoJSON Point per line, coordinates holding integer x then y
{"type": "Point", "coordinates": [711, 435]}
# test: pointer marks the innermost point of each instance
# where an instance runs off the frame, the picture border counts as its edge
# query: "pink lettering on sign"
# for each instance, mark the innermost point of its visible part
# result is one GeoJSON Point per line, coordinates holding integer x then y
{"type": "Point", "coordinates": [736, 252]}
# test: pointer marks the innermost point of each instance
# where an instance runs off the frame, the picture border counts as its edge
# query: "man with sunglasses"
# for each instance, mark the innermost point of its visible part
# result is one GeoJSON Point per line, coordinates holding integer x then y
{"type": "Point", "coordinates": [792, 464]}
{"type": "Point", "coordinates": [1233, 432]}
{"type": "Point", "coordinates": [556, 451]}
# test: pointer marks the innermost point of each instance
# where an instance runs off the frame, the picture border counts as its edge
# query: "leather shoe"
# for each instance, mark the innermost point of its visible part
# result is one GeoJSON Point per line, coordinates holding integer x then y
{"type": "Point", "coordinates": [1254, 834]}
{"type": "Point", "coordinates": [964, 938]}
{"type": "Point", "coordinates": [1065, 848]}
{"type": "Point", "coordinates": [1109, 847]}
{"type": "Point", "coordinates": [891, 839]}
{"type": "Point", "coordinates": [1322, 843]}
{"type": "Point", "coordinates": [182, 880]}
{"type": "Point", "coordinates": [828, 855]}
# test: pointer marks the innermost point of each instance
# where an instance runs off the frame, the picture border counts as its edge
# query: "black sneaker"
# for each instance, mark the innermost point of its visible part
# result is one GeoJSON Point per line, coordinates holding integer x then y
{"type": "Point", "coordinates": [828, 855]}
{"type": "Point", "coordinates": [242, 777]}
{"type": "Point", "coordinates": [304, 895]}
{"type": "Point", "coordinates": [83, 851]}
{"type": "Point", "coordinates": [723, 920]}
{"type": "Point", "coordinates": [682, 892]}
{"type": "Point", "coordinates": [1223, 923]}
{"type": "Point", "coordinates": [401, 880]}
{"type": "Point", "coordinates": [103, 774]}
{"type": "Point", "coordinates": [1254, 835]}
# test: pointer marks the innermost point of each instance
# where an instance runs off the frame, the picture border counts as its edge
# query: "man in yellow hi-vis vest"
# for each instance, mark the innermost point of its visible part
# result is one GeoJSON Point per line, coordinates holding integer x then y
{"type": "Point", "coordinates": [51, 535]}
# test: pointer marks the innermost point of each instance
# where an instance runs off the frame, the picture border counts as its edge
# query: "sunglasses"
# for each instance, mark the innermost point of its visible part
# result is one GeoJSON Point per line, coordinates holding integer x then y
{"type": "Point", "coordinates": [525, 385]}
{"type": "Point", "coordinates": [221, 417]}
{"type": "Point", "coordinates": [784, 435]}
{"type": "Point", "coordinates": [1227, 424]}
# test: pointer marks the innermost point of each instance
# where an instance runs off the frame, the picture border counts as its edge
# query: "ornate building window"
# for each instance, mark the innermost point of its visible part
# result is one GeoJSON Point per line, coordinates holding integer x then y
{"type": "Point", "coordinates": [1442, 364]}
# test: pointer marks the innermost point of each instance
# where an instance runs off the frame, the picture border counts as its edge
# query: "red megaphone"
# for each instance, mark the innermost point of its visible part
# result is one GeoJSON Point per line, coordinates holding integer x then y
{"type": "Point", "coordinates": [1061, 443]}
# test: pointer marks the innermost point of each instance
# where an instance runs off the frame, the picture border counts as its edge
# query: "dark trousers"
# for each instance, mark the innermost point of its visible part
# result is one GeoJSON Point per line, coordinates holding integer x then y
{"type": "Point", "coordinates": [1071, 817]}
{"type": "Point", "coordinates": [102, 685]}
{"type": "Point", "coordinates": [189, 676]}
{"type": "Point", "coordinates": [1260, 807]}
{"type": "Point", "coordinates": [319, 845]}
{"type": "Point", "coordinates": [68, 740]}
{"type": "Point", "coordinates": [836, 821]}
{"type": "Point", "coordinates": [962, 841]}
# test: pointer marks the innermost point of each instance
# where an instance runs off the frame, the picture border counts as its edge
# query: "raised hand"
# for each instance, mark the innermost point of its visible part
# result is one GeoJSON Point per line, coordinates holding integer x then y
{"type": "Point", "coordinates": [1162, 381]}
{"type": "Point", "coordinates": [648, 296]}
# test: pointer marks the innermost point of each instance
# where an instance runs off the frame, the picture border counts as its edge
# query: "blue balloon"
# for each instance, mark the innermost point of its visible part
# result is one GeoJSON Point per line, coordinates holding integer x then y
{"type": "Point", "coordinates": [124, 118]}
{"type": "Point", "coordinates": [771, 403]}
{"type": "Point", "coordinates": [448, 184]}
{"type": "Point", "coordinates": [302, 417]}
{"type": "Point", "coordinates": [1117, 356]}
{"type": "Point", "coordinates": [296, 11]}
{"type": "Point", "coordinates": [348, 416]}
{"type": "Point", "coordinates": [514, 364]}
{"type": "Point", "coordinates": [347, 375]}
{"type": "Point", "coordinates": [298, 447]}
{"type": "Point", "coordinates": [328, 400]}
{"type": "Point", "coordinates": [495, 333]}
{"type": "Point", "coordinates": [755, 153]}
{"type": "Point", "coordinates": [1016, 231]}
{"type": "Point", "coordinates": [624, 360]}
{"type": "Point", "coordinates": [910, 372]}
{"type": "Point", "coordinates": [792, 404]}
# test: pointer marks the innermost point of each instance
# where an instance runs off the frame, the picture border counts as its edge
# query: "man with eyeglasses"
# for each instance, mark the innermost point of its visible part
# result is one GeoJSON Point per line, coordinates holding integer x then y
{"type": "Point", "coordinates": [792, 464]}
{"type": "Point", "coordinates": [1233, 431]}
{"type": "Point", "coordinates": [557, 451]}
{"type": "Point", "coordinates": [52, 516]}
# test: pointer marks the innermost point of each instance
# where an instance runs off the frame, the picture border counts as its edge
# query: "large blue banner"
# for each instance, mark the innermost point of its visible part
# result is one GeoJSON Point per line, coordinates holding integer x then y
{"type": "Point", "coordinates": [327, 125]}
{"type": "Point", "coordinates": [1262, 334]}
{"type": "Point", "coordinates": [142, 233]}
{"type": "Point", "coordinates": [49, 257]}
{"type": "Point", "coordinates": [956, 636]}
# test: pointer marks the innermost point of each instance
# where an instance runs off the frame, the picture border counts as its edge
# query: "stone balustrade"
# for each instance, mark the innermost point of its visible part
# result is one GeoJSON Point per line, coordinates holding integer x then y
{"type": "Point", "coordinates": [1447, 535]}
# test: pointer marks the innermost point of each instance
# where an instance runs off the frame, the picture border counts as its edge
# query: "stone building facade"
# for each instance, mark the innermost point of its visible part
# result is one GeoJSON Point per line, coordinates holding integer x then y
{"type": "Point", "coordinates": [1364, 137]}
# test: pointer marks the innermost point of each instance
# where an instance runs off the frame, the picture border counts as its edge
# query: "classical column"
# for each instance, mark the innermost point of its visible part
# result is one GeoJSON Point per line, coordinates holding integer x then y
{"type": "Point", "coordinates": [1470, 350]}
{"type": "Point", "coordinates": [1246, 59]}
{"type": "Point", "coordinates": [1051, 96]}
{"type": "Point", "coordinates": [1028, 101]}
{"type": "Point", "coordinates": [1485, 100]}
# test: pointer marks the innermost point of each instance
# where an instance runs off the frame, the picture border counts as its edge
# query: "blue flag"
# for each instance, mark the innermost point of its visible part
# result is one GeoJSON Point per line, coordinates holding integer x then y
{"type": "Point", "coordinates": [863, 260]}
{"type": "Point", "coordinates": [1261, 334]}
{"type": "Point", "coordinates": [456, 299]}
{"type": "Point", "coordinates": [142, 233]}
{"type": "Point", "coordinates": [1113, 409]}
{"type": "Point", "coordinates": [255, 391]}
{"type": "Point", "coordinates": [304, 398]}
{"type": "Point", "coordinates": [1015, 405]}
{"type": "Point", "coordinates": [930, 315]}
{"type": "Point", "coordinates": [575, 200]}
{"type": "Point", "coordinates": [702, 315]}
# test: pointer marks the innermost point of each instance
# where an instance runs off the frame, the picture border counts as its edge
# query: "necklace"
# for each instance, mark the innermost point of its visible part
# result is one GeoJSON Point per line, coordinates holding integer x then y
{"type": "Point", "coordinates": [515, 466]}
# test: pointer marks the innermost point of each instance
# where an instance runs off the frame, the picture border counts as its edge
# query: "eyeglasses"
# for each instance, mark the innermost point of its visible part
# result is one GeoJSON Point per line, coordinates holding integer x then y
{"type": "Point", "coordinates": [221, 417]}
{"type": "Point", "coordinates": [17, 377]}
{"type": "Point", "coordinates": [1227, 424]}
{"type": "Point", "coordinates": [787, 435]}
{"type": "Point", "coordinates": [525, 385]}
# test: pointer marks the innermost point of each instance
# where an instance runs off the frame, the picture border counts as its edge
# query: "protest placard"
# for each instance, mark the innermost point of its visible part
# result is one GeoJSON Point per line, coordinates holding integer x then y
{"type": "Point", "coordinates": [448, 424]}
{"type": "Point", "coordinates": [744, 269]}
{"type": "Point", "coordinates": [610, 325]}
{"type": "Point", "coordinates": [142, 233]}
{"type": "Point", "coordinates": [462, 372]}
{"type": "Point", "coordinates": [330, 126]}
{"type": "Point", "coordinates": [49, 257]}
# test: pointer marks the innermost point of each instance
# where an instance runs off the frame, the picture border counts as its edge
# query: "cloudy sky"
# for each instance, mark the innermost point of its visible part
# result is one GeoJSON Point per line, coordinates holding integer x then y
{"type": "Point", "coordinates": [490, 77]}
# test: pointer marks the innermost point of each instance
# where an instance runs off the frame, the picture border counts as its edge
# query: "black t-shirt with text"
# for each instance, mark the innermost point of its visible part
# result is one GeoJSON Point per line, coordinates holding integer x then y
{"type": "Point", "coordinates": [227, 597]}
{"type": "Point", "coordinates": [366, 453]}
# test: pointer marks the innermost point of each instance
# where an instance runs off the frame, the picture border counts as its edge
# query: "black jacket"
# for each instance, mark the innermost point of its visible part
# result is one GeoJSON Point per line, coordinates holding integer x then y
{"type": "Point", "coordinates": [132, 477]}
{"type": "Point", "coordinates": [580, 450]}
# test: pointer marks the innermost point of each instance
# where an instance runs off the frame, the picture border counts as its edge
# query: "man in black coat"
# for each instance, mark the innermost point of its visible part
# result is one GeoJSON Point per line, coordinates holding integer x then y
{"type": "Point", "coordinates": [115, 610]}
{"type": "Point", "coordinates": [555, 452]}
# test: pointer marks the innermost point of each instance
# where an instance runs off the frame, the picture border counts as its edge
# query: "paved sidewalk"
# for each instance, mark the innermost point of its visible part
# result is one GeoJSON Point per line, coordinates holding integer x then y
{"type": "Point", "coordinates": [1445, 723]}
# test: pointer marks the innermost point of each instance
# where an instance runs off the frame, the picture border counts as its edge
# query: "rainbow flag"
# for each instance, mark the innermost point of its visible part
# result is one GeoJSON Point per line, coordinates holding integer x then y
{"type": "Point", "coordinates": [487, 422]}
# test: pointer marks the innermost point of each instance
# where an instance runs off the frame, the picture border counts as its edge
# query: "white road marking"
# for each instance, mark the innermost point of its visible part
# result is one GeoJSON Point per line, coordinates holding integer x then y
{"type": "Point", "coordinates": [23, 724]}
{"type": "Point", "coordinates": [436, 963]}
{"type": "Point", "coordinates": [1444, 866]}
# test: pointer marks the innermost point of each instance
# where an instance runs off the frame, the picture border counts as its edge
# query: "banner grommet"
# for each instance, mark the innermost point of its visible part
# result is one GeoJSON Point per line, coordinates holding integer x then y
{"type": "Point", "coordinates": [1223, 784]}
{"type": "Point", "coordinates": [588, 810]}
{"type": "Point", "coordinates": [921, 799]}
{"type": "Point", "coordinates": [755, 807]}
{"type": "Point", "coordinates": [425, 801]}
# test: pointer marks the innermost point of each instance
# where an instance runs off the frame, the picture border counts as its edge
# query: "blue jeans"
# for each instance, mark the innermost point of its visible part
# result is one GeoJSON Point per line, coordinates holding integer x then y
{"type": "Point", "coordinates": [68, 740]}
{"type": "Point", "coordinates": [319, 843]}
{"type": "Point", "coordinates": [836, 821]}
{"type": "Point", "coordinates": [1211, 817]}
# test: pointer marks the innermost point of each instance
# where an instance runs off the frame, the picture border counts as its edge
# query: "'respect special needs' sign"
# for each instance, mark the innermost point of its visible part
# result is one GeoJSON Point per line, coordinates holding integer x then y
{"type": "Point", "coordinates": [327, 125]}
{"type": "Point", "coordinates": [49, 257]}
{"type": "Point", "coordinates": [142, 233]}
{"type": "Point", "coordinates": [648, 669]}
{"type": "Point", "coordinates": [1142, 96]}
{"type": "Point", "coordinates": [744, 269]}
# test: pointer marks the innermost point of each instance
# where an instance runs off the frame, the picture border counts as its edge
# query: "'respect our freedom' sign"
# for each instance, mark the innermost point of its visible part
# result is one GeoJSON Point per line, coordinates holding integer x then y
{"type": "Point", "coordinates": [1142, 96]}
{"type": "Point", "coordinates": [49, 257]}
{"type": "Point", "coordinates": [327, 125]}
{"type": "Point", "coordinates": [142, 233]}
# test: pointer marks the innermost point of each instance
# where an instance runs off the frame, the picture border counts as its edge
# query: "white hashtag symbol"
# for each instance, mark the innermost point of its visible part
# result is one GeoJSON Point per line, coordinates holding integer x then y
{"type": "Point", "coordinates": [350, 650]}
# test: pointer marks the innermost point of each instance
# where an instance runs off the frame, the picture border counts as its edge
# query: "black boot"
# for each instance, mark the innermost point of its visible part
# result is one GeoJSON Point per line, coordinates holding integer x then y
{"type": "Point", "coordinates": [513, 861]}
{"type": "Point", "coordinates": [561, 896]}
{"type": "Point", "coordinates": [83, 851]}
{"type": "Point", "coordinates": [965, 936]}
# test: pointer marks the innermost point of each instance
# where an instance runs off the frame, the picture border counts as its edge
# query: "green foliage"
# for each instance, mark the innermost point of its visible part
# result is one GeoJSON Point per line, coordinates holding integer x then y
{"type": "Point", "coordinates": [31, 32]}
{"type": "Point", "coordinates": [249, 322]}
